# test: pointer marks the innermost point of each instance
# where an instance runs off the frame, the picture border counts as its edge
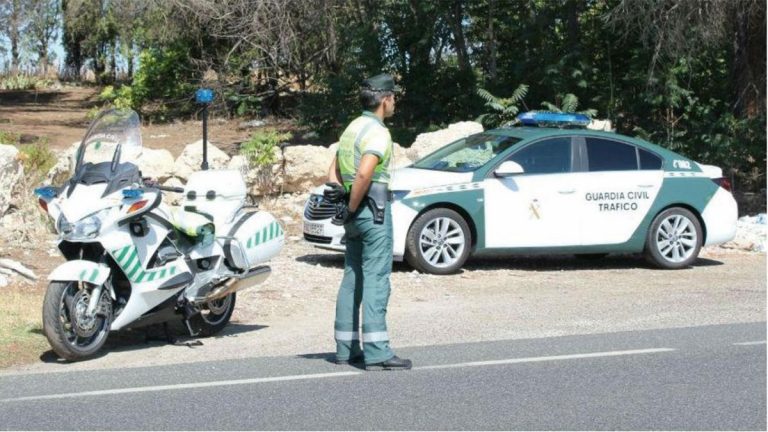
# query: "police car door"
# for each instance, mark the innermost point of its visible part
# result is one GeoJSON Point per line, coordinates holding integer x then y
{"type": "Point", "coordinates": [618, 188]}
{"type": "Point", "coordinates": [537, 207]}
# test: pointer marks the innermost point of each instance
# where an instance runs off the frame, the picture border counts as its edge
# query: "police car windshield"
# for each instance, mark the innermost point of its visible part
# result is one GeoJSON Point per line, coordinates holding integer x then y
{"type": "Point", "coordinates": [467, 154]}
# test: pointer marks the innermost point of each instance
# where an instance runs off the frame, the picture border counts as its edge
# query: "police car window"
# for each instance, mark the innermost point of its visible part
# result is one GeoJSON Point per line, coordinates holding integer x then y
{"type": "Point", "coordinates": [467, 154]}
{"type": "Point", "coordinates": [550, 156]}
{"type": "Point", "coordinates": [649, 161]}
{"type": "Point", "coordinates": [608, 155]}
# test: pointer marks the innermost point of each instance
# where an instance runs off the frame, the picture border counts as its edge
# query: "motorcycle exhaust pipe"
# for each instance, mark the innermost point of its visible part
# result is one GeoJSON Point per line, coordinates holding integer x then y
{"type": "Point", "coordinates": [248, 280]}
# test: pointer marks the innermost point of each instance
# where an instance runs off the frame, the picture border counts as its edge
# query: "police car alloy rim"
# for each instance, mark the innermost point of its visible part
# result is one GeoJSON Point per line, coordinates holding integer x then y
{"type": "Point", "coordinates": [441, 242]}
{"type": "Point", "coordinates": [676, 238]}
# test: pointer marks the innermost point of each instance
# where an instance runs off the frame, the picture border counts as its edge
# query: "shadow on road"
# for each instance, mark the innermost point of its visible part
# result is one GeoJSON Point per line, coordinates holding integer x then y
{"type": "Point", "coordinates": [328, 357]}
{"type": "Point", "coordinates": [156, 335]}
{"type": "Point", "coordinates": [521, 262]}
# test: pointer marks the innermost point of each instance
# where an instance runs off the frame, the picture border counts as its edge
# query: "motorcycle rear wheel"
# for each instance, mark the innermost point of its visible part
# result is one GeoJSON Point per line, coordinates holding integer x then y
{"type": "Point", "coordinates": [215, 315]}
{"type": "Point", "coordinates": [72, 335]}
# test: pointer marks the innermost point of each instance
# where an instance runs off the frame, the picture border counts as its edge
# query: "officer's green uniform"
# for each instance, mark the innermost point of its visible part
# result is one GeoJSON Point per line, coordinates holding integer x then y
{"type": "Point", "coordinates": [368, 257]}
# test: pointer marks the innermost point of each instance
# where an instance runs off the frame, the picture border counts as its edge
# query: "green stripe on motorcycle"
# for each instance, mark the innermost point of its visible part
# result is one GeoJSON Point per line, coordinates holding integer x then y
{"type": "Point", "coordinates": [173, 270]}
{"type": "Point", "coordinates": [127, 264]}
{"type": "Point", "coordinates": [82, 275]}
{"type": "Point", "coordinates": [94, 275]}
{"type": "Point", "coordinates": [119, 256]}
{"type": "Point", "coordinates": [141, 275]}
{"type": "Point", "coordinates": [162, 273]}
{"type": "Point", "coordinates": [133, 271]}
{"type": "Point", "coordinates": [264, 235]}
{"type": "Point", "coordinates": [151, 276]}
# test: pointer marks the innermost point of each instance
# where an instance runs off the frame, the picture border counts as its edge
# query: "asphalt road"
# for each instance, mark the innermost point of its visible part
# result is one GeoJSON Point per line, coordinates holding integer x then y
{"type": "Point", "coordinates": [711, 377]}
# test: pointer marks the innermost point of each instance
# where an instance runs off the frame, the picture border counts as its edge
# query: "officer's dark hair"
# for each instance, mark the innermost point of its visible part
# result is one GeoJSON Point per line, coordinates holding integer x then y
{"type": "Point", "coordinates": [370, 99]}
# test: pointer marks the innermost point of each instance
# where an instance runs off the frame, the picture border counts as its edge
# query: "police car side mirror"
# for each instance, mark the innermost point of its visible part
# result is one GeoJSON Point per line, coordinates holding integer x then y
{"type": "Point", "coordinates": [508, 169]}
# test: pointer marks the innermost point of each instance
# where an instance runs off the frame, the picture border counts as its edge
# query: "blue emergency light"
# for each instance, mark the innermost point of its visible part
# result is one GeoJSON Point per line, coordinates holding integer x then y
{"type": "Point", "coordinates": [553, 119]}
{"type": "Point", "coordinates": [47, 192]}
{"type": "Point", "coordinates": [132, 193]}
{"type": "Point", "coordinates": [204, 96]}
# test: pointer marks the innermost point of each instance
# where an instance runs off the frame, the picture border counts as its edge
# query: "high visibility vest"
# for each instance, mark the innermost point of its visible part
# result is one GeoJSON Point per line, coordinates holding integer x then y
{"type": "Point", "coordinates": [365, 135]}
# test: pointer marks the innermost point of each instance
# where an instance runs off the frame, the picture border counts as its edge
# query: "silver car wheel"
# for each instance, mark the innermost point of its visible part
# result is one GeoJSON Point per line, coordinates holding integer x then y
{"type": "Point", "coordinates": [442, 242]}
{"type": "Point", "coordinates": [676, 238]}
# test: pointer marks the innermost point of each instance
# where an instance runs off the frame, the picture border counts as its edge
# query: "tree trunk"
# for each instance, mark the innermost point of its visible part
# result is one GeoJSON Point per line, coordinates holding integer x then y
{"type": "Point", "coordinates": [491, 43]}
{"type": "Point", "coordinates": [455, 18]}
{"type": "Point", "coordinates": [748, 65]}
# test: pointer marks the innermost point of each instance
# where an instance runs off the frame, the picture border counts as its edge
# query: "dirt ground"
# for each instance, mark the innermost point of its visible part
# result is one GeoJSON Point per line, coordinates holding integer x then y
{"type": "Point", "coordinates": [61, 117]}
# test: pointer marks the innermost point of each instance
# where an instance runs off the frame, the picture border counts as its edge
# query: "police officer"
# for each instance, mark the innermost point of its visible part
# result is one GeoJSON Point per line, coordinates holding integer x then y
{"type": "Point", "coordinates": [362, 166]}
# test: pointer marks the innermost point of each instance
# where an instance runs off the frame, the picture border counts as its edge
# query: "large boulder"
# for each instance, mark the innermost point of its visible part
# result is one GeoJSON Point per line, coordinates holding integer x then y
{"type": "Point", "coordinates": [428, 142]}
{"type": "Point", "coordinates": [191, 158]}
{"type": "Point", "coordinates": [11, 173]}
{"type": "Point", "coordinates": [305, 166]}
{"type": "Point", "coordinates": [158, 164]}
{"type": "Point", "coordinates": [64, 166]}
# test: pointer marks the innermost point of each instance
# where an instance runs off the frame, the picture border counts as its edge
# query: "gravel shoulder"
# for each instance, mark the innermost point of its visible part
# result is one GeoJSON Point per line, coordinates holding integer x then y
{"type": "Point", "coordinates": [493, 299]}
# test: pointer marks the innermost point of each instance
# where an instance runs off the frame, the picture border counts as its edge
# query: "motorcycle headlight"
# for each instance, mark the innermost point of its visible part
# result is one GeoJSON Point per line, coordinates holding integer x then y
{"type": "Point", "coordinates": [85, 229]}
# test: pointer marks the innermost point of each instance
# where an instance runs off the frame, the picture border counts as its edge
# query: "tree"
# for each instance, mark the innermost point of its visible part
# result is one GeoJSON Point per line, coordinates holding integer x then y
{"type": "Point", "coordinates": [43, 29]}
{"type": "Point", "coordinates": [14, 19]}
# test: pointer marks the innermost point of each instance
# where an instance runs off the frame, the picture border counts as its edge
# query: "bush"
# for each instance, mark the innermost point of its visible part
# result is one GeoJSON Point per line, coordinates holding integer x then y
{"type": "Point", "coordinates": [37, 158]}
{"type": "Point", "coordinates": [8, 137]}
{"type": "Point", "coordinates": [260, 152]}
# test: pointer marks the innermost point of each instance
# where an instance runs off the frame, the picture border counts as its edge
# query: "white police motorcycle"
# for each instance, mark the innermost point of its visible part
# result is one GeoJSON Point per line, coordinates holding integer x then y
{"type": "Point", "coordinates": [133, 261]}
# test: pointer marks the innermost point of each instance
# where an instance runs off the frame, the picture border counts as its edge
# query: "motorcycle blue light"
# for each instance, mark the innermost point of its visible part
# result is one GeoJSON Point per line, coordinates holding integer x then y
{"type": "Point", "coordinates": [204, 96]}
{"type": "Point", "coordinates": [534, 118]}
{"type": "Point", "coordinates": [132, 193]}
{"type": "Point", "coordinates": [47, 192]}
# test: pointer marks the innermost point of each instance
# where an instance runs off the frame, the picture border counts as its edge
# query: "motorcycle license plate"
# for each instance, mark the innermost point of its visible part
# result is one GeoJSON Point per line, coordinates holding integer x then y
{"type": "Point", "coordinates": [313, 228]}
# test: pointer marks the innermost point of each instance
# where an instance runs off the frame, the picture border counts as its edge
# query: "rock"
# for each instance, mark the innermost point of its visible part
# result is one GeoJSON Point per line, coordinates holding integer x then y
{"type": "Point", "coordinates": [601, 125]}
{"type": "Point", "coordinates": [11, 173]}
{"type": "Point", "coordinates": [173, 198]}
{"type": "Point", "coordinates": [3, 281]}
{"type": "Point", "coordinates": [252, 124]}
{"type": "Point", "coordinates": [18, 268]}
{"type": "Point", "coordinates": [158, 164]}
{"type": "Point", "coordinates": [310, 135]}
{"type": "Point", "coordinates": [428, 142]}
{"type": "Point", "coordinates": [264, 180]}
{"type": "Point", "coordinates": [305, 166]}
{"type": "Point", "coordinates": [191, 158]}
{"type": "Point", "coordinates": [62, 171]}
{"type": "Point", "coordinates": [401, 157]}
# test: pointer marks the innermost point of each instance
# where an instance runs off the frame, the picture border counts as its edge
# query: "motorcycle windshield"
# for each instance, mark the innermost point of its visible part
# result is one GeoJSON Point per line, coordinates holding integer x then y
{"type": "Point", "coordinates": [115, 134]}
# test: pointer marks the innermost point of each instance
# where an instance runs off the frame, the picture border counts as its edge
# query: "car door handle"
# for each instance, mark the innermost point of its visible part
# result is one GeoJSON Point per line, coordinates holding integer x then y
{"type": "Point", "coordinates": [567, 192]}
{"type": "Point", "coordinates": [646, 186]}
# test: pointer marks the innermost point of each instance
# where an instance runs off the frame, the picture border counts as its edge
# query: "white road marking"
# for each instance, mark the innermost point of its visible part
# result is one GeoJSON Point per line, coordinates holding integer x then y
{"type": "Point", "coordinates": [750, 343]}
{"type": "Point", "coordinates": [326, 375]}
{"type": "Point", "coordinates": [548, 358]}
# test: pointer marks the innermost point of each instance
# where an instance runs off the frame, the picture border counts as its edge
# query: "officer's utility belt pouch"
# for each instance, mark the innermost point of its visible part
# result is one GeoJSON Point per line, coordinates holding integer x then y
{"type": "Point", "coordinates": [378, 195]}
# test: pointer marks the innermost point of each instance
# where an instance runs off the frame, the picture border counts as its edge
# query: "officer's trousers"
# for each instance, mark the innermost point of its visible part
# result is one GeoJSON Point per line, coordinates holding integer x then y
{"type": "Point", "coordinates": [367, 266]}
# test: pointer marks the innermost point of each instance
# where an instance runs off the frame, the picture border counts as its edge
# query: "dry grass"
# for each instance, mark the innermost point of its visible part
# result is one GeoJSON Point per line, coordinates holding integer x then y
{"type": "Point", "coordinates": [21, 332]}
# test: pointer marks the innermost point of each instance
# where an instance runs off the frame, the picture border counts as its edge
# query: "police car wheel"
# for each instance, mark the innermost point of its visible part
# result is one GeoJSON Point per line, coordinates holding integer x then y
{"type": "Point", "coordinates": [674, 240]}
{"type": "Point", "coordinates": [438, 242]}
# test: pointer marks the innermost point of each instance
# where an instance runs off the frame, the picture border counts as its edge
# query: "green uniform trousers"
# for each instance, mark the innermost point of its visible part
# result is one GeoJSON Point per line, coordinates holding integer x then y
{"type": "Point", "coordinates": [367, 266]}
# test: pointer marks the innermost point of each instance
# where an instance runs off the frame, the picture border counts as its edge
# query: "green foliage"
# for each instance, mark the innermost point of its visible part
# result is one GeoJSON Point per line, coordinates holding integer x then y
{"type": "Point", "coordinates": [260, 148]}
{"type": "Point", "coordinates": [569, 104]}
{"type": "Point", "coordinates": [37, 157]}
{"type": "Point", "coordinates": [502, 110]}
{"type": "Point", "coordinates": [120, 98]}
{"type": "Point", "coordinates": [8, 137]}
{"type": "Point", "coordinates": [24, 82]}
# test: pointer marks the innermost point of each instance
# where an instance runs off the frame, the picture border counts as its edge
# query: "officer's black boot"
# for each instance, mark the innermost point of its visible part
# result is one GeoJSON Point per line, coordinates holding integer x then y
{"type": "Point", "coordinates": [395, 363]}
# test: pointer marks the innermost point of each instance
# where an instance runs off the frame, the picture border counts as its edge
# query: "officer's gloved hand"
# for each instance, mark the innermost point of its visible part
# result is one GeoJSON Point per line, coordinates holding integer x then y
{"type": "Point", "coordinates": [343, 215]}
{"type": "Point", "coordinates": [334, 192]}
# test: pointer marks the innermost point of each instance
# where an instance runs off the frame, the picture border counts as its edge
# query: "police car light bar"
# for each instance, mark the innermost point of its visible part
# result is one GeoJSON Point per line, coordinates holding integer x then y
{"type": "Point", "coordinates": [552, 119]}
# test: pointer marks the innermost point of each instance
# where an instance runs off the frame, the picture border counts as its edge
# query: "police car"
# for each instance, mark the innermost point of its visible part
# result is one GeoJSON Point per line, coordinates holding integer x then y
{"type": "Point", "coordinates": [548, 186]}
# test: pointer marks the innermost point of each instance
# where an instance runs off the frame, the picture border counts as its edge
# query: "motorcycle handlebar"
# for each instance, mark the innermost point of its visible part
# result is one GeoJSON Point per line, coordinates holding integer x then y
{"type": "Point", "coordinates": [148, 182]}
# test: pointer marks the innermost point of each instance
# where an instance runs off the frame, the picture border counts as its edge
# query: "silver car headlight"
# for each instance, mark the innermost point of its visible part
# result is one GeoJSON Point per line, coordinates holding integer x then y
{"type": "Point", "coordinates": [86, 228]}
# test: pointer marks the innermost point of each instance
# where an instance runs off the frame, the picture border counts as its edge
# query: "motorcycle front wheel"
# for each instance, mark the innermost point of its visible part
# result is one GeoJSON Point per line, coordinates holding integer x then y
{"type": "Point", "coordinates": [74, 335]}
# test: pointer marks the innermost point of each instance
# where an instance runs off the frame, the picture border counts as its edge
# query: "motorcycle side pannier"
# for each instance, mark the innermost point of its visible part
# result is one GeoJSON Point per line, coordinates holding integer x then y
{"type": "Point", "coordinates": [254, 239]}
